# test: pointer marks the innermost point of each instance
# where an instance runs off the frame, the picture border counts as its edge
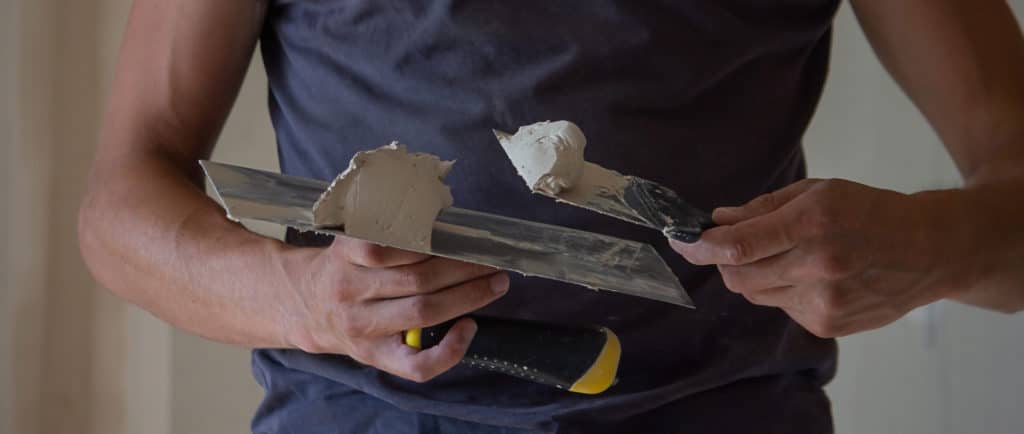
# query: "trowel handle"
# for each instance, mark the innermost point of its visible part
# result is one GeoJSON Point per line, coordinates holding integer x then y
{"type": "Point", "coordinates": [582, 359]}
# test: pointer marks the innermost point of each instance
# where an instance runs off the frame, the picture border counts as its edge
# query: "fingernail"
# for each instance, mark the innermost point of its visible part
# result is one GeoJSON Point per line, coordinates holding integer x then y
{"type": "Point", "coordinates": [499, 282]}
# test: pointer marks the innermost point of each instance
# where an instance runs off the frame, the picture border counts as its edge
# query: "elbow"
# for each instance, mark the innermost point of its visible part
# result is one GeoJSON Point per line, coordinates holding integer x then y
{"type": "Point", "coordinates": [88, 233]}
{"type": "Point", "coordinates": [93, 243]}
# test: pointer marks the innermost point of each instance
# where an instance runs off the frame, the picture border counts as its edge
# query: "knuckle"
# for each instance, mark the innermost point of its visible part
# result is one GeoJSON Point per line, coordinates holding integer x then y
{"type": "Point", "coordinates": [824, 327]}
{"type": "Point", "coordinates": [341, 294]}
{"type": "Point", "coordinates": [417, 279]}
{"type": "Point", "coordinates": [345, 291]}
{"type": "Point", "coordinates": [367, 254]}
{"type": "Point", "coordinates": [736, 252]}
{"type": "Point", "coordinates": [419, 310]}
{"type": "Point", "coordinates": [833, 187]}
{"type": "Point", "coordinates": [826, 212]}
{"type": "Point", "coordinates": [766, 201]}
{"type": "Point", "coordinates": [338, 251]}
{"type": "Point", "coordinates": [829, 302]}
{"type": "Point", "coordinates": [821, 220]}
{"type": "Point", "coordinates": [831, 263]}
{"type": "Point", "coordinates": [352, 327]}
{"type": "Point", "coordinates": [481, 289]}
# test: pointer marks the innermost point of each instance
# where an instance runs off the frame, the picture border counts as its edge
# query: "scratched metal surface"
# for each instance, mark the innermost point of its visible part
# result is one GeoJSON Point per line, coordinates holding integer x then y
{"type": "Point", "coordinates": [535, 249]}
{"type": "Point", "coordinates": [605, 199]}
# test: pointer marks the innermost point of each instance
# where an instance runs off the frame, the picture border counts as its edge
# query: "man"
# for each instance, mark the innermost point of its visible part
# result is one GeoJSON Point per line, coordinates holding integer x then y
{"type": "Point", "coordinates": [708, 97]}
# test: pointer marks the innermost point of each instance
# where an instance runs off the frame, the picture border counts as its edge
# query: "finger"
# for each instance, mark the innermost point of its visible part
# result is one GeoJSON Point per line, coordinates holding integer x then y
{"type": "Point", "coordinates": [394, 315]}
{"type": "Point", "coordinates": [372, 255]}
{"type": "Point", "coordinates": [421, 278]}
{"type": "Point", "coordinates": [836, 309]}
{"type": "Point", "coordinates": [761, 205]}
{"type": "Point", "coordinates": [743, 243]}
{"type": "Point", "coordinates": [393, 356]}
{"type": "Point", "coordinates": [756, 276]}
{"type": "Point", "coordinates": [780, 296]}
{"type": "Point", "coordinates": [830, 327]}
{"type": "Point", "coordinates": [807, 263]}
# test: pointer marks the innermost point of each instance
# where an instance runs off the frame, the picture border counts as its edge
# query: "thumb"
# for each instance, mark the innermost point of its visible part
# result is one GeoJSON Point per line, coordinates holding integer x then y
{"type": "Point", "coordinates": [371, 255]}
{"type": "Point", "coordinates": [763, 204]}
{"type": "Point", "coordinates": [421, 365]}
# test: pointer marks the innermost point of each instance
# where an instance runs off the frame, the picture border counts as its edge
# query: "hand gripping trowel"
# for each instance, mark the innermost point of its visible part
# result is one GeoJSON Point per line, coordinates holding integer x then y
{"type": "Point", "coordinates": [579, 359]}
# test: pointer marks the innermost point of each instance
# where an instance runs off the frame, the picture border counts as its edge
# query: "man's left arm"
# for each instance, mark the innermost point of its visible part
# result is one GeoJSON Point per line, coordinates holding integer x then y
{"type": "Point", "coordinates": [841, 257]}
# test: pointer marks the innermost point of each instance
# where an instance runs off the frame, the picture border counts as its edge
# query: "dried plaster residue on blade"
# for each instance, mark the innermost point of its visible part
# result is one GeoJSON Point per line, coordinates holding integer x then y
{"type": "Point", "coordinates": [548, 155]}
{"type": "Point", "coordinates": [387, 195]}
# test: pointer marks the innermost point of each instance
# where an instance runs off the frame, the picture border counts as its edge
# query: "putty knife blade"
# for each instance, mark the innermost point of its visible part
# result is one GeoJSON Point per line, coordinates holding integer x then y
{"type": "Point", "coordinates": [531, 248]}
{"type": "Point", "coordinates": [632, 199]}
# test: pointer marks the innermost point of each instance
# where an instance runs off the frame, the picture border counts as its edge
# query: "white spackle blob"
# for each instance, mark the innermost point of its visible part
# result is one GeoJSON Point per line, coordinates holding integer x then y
{"type": "Point", "coordinates": [548, 155]}
{"type": "Point", "coordinates": [387, 195]}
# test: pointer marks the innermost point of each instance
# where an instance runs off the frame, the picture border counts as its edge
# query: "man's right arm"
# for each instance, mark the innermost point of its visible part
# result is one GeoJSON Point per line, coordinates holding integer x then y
{"type": "Point", "coordinates": [150, 234]}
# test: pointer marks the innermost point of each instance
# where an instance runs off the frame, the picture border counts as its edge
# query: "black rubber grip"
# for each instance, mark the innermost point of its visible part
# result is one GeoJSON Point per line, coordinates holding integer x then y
{"type": "Point", "coordinates": [547, 353]}
{"type": "Point", "coordinates": [662, 208]}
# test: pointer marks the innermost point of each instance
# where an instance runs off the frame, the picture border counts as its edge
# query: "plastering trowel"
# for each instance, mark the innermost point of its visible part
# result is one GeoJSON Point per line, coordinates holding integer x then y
{"type": "Point", "coordinates": [549, 157]}
{"type": "Point", "coordinates": [581, 359]}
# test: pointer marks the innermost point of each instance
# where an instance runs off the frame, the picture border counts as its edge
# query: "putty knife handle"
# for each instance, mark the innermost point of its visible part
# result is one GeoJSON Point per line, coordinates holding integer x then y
{"type": "Point", "coordinates": [581, 359]}
{"type": "Point", "coordinates": [660, 207]}
{"type": "Point", "coordinates": [692, 232]}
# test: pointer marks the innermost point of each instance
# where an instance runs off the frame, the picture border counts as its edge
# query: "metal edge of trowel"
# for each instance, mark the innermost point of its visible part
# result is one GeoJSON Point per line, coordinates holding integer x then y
{"type": "Point", "coordinates": [530, 248]}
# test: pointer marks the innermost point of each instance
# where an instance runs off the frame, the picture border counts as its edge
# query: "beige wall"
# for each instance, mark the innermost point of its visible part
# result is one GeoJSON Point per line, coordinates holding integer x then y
{"type": "Point", "coordinates": [9, 32]}
{"type": "Point", "coordinates": [111, 368]}
{"type": "Point", "coordinates": [26, 179]}
{"type": "Point", "coordinates": [75, 359]}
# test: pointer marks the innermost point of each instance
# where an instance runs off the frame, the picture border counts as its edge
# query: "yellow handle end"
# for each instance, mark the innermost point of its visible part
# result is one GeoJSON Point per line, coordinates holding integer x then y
{"type": "Point", "coordinates": [413, 338]}
{"type": "Point", "coordinates": [600, 376]}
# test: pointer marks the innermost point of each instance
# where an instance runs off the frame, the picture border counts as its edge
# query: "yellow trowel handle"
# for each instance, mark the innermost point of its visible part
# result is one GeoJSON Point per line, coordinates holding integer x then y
{"type": "Point", "coordinates": [581, 359]}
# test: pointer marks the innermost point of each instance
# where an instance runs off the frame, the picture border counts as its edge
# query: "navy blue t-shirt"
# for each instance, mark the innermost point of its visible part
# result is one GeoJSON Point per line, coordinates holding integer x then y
{"type": "Point", "coordinates": [709, 97]}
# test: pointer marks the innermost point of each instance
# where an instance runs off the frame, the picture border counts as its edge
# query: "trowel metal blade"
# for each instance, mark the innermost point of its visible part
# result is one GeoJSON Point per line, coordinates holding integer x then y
{"type": "Point", "coordinates": [635, 200]}
{"type": "Point", "coordinates": [531, 248]}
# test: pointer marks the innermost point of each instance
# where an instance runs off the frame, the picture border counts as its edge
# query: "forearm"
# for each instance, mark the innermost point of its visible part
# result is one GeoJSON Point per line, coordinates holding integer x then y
{"type": "Point", "coordinates": [977, 242]}
{"type": "Point", "coordinates": [962, 63]}
{"type": "Point", "coordinates": [150, 235]}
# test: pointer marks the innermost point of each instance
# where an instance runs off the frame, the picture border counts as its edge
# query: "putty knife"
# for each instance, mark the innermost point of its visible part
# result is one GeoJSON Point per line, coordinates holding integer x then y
{"type": "Point", "coordinates": [632, 199]}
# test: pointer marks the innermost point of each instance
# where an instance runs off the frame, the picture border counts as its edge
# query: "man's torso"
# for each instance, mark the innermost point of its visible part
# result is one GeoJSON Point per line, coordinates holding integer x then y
{"type": "Point", "coordinates": [707, 97]}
